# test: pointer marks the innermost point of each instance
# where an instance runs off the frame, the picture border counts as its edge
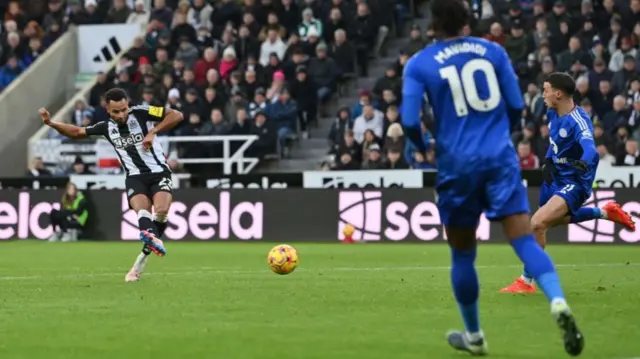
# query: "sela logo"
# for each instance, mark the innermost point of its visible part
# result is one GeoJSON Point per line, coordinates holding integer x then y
{"type": "Point", "coordinates": [24, 221]}
{"type": "Point", "coordinates": [603, 231]}
{"type": "Point", "coordinates": [368, 182]}
{"type": "Point", "coordinates": [396, 221]}
{"type": "Point", "coordinates": [132, 139]}
{"type": "Point", "coordinates": [225, 183]}
{"type": "Point", "coordinates": [203, 220]}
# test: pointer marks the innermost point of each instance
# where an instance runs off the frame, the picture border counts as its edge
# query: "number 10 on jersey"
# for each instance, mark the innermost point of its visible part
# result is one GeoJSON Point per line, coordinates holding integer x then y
{"type": "Point", "coordinates": [464, 90]}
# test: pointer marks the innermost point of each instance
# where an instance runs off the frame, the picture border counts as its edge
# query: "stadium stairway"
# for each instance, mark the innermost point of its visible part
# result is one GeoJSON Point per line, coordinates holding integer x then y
{"type": "Point", "coordinates": [309, 153]}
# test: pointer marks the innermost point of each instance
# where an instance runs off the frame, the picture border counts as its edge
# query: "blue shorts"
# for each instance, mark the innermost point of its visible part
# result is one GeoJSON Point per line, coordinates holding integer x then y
{"type": "Point", "coordinates": [574, 194]}
{"type": "Point", "coordinates": [498, 192]}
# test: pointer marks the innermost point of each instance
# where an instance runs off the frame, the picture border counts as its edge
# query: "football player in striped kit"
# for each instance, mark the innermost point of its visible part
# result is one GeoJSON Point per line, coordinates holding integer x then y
{"type": "Point", "coordinates": [131, 131]}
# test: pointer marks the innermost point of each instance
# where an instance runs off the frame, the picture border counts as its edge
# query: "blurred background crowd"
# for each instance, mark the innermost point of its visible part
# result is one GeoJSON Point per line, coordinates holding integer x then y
{"type": "Point", "coordinates": [596, 42]}
{"type": "Point", "coordinates": [275, 67]}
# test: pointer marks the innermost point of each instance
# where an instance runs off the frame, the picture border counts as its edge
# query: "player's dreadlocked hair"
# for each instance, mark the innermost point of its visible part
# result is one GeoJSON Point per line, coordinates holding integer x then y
{"type": "Point", "coordinates": [449, 17]}
{"type": "Point", "coordinates": [115, 94]}
{"type": "Point", "coordinates": [563, 82]}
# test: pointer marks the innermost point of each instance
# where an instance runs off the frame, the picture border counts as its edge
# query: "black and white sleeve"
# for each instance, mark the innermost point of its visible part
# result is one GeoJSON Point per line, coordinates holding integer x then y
{"type": "Point", "coordinates": [99, 129]}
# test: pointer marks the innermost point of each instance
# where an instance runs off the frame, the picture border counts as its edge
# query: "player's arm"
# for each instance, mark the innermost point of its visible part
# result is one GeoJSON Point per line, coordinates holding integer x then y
{"type": "Point", "coordinates": [509, 86]}
{"type": "Point", "coordinates": [412, 93]}
{"type": "Point", "coordinates": [584, 137]}
{"type": "Point", "coordinates": [69, 130]}
{"type": "Point", "coordinates": [166, 118]}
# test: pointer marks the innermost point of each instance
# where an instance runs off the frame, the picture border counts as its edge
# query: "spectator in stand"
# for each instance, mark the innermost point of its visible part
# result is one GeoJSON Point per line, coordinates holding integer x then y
{"type": "Point", "coordinates": [78, 114]}
{"type": "Point", "coordinates": [259, 103]}
{"type": "Point", "coordinates": [343, 53]}
{"type": "Point", "coordinates": [631, 156]}
{"type": "Point", "coordinates": [118, 14]}
{"type": "Point", "coordinates": [235, 103]}
{"type": "Point", "coordinates": [391, 117]}
{"type": "Point", "coordinates": [79, 167]}
{"type": "Point", "coordinates": [305, 92]}
{"type": "Point", "coordinates": [365, 34]}
{"type": "Point", "coordinates": [246, 45]}
{"type": "Point", "coordinates": [284, 113]}
{"type": "Point", "coordinates": [139, 15]}
{"type": "Point", "coordinates": [395, 161]}
{"type": "Point", "coordinates": [395, 138]}
{"type": "Point", "coordinates": [322, 70]}
{"type": "Point", "coordinates": [370, 139]}
{"type": "Point", "coordinates": [617, 115]}
{"type": "Point", "coordinates": [272, 23]}
{"type": "Point", "coordinates": [373, 160]}
{"type": "Point", "coordinates": [365, 99]}
{"type": "Point", "coordinates": [10, 71]}
{"type": "Point", "coordinates": [528, 160]}
{"type": "Point", "coordinates": [346, 163]}
{"type": "Point", "coordinates": [267, 142]}
{"type": "Point", "coordinates": [272, 45]}
{"type": "Point", "coordinates": [390, 81]}
{"type": "Point", "coordinates": [37, 168]}
{"type": "Point", "coordinates": [416, 42]}
{"type": "Point", "coordinates": [347, 144]}
{"type": "Point", "coordinates": [277, 86]}
{"type": "Point", "coordinates": [341, 125]}
{"type": "Point", "coordinates": [308, 23]}
{"type": "Point", "coordinates": [621, 78]}
{"type": "Point", "coordinates": [240, 124]}
{"type": "Point", "coordinates": [371, 119]}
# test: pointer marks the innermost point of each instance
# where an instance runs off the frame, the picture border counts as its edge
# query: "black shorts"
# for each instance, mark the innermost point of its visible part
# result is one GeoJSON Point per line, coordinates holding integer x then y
{"type": "Point", "coordinates": [148, 184]}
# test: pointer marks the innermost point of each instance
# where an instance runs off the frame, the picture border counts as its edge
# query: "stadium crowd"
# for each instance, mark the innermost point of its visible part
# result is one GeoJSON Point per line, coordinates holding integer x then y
{"type": "Point", "coordinates": [597, 43]}
{"type": "Point", "coordinates": [29, 27]}
{"type": "Point", "coordinates": [263, 67]}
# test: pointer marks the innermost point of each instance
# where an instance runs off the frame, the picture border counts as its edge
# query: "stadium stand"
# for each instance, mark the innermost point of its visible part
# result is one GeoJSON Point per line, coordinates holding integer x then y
{"type": "Point", "coordinates": [268, 68]}
{"type": "Point", "coordinates": [31, 27]}
{"type": "Point", "coordinates": [595, 42]}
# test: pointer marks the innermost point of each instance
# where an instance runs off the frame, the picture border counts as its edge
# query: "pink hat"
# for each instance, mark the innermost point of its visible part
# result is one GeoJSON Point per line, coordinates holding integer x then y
{"type": "Point", "coordinates": [278, 75]}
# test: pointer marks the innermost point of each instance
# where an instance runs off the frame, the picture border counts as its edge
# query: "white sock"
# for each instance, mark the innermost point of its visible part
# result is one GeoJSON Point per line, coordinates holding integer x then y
{"type": "Point", "coordinates": [559, 304]}
{"type": "Point", "coordinates": [140, 262]}
{"type": "Point", "coordinates": [474, 337]}
{"type": "Point", "coordinates": [603, 214]}
{"type": "Point", "coordinates": [527, 280]}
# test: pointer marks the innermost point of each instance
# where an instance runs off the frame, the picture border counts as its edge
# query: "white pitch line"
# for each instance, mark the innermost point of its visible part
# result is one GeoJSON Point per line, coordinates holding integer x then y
{"type": "Point", "coordinates": [210, 270]}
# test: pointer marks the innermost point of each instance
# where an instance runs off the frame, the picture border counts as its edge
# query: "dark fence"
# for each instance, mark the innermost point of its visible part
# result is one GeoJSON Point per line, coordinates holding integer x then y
{"type": "Point", "coordinates": [386, 215]}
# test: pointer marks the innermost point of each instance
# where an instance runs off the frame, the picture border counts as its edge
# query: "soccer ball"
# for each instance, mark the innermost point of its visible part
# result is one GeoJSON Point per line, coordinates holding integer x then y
{"type": "Point", "coordinates": [282, 259]}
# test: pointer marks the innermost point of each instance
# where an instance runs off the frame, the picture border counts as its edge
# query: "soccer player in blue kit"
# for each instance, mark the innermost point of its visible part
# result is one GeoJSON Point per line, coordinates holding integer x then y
{"type": "Point", "coordinates": [475, 96]}
{"type": "Point", "coordinates": [569, 171]}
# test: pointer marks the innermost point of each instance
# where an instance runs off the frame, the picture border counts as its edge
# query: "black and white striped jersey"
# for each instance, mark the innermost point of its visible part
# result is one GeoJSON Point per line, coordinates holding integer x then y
{"type": "Point", "coordinates": [127, 139]}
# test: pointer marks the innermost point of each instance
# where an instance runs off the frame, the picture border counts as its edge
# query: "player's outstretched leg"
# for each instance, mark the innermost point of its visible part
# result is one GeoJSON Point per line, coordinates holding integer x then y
{"type": "Point", "coordinates": [466, 289]}
{"type": "Point", "coordinates": [148, 233]}
{"type": "Point", "coordinates": [139, 265]}
{"type": "Point", "coordinates": [160, 220]}
{"type": "Point", "coordinates": [540, 266]}
{"type": "Point", "coordinates": [610, 211]}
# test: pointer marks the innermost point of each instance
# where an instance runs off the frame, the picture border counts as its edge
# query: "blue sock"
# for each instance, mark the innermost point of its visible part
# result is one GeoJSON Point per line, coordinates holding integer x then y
{"type": "Point", "coordinates": [466, 287]}
{"type": "Point", "coordinates": [586, 214]}
{"type": "Point", "coordinates": [539, 265]}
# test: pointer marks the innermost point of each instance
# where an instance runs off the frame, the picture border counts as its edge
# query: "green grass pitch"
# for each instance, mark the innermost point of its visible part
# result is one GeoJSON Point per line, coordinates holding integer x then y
{"type": "Point", "coordinates": [361, 301]}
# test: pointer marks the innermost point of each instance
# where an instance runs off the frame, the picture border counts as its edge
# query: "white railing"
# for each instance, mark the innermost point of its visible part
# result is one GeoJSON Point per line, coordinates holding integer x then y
{"type": "Point", "coordinates": [60, 155]}
{"type": "Point", "coordinates": [244, 165]}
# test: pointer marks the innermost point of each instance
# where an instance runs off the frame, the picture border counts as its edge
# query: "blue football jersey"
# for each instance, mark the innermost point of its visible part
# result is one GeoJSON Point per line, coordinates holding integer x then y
{"type": "Point", "coordinates": [470, 85]}
{"type": "Point", "coordinates": [570, 136]}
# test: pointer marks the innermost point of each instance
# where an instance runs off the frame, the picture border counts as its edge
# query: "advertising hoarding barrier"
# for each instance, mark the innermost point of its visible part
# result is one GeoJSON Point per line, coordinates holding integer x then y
{"type": "Point", "coordinates": [293, 215]}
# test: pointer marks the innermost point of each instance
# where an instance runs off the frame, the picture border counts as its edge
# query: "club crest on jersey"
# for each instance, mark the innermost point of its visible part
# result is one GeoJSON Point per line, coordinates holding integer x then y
{"type": "Point", "coordinates": [131, 140]}
{"type": "Point", "coordinates": [562, 133]}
